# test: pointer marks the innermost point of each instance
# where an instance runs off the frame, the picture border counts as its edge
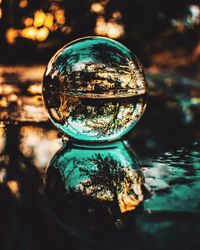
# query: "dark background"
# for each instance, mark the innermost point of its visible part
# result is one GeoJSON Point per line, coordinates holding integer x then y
{"type": "Point", "coordinates": [163, 34]}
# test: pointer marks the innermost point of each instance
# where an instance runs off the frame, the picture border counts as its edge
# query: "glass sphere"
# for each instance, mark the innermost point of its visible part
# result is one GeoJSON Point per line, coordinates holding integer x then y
{"type": "Point", "coordinates": [94, 89]}
{"type": "Point", "coordinates": [94, 188]}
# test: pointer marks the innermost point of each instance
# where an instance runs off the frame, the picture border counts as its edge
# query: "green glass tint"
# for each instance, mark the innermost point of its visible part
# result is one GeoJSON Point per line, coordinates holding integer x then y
{"type": "Point", "coordinates": [94, 89]}
{"type": "Point", "coordinates": [94, 186]}
{"type": "Point", "coordinates": [174, 180]}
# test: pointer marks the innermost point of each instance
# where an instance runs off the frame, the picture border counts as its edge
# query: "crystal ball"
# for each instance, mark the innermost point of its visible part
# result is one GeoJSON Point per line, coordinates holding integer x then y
{"type": "Point", "coordinates": [96, 188]}
{"type": "Point", "coordinates": [94, 89]}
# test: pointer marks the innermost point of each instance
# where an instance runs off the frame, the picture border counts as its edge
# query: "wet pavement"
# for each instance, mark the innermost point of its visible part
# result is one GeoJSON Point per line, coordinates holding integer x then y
{"type": "Point", "coordinates": [165, 141]}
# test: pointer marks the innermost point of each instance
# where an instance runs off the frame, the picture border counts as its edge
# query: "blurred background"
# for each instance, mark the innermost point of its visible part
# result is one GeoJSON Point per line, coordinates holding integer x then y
{"type": "Point", "coordinates": [165, 35]}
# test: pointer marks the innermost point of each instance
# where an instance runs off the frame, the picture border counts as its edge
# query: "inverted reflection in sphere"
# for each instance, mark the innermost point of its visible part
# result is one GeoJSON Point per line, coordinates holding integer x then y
{"type": "Point", "coordinates": [94, 89]}
{"type": "Point", "coordinates": [95, 188]}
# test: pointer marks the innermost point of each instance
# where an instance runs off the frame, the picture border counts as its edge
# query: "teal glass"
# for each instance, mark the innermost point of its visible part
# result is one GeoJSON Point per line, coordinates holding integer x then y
{"type": "Point", "coordinates": [94, 89]}
{"type": "Point", "coordinates": [94, 188]}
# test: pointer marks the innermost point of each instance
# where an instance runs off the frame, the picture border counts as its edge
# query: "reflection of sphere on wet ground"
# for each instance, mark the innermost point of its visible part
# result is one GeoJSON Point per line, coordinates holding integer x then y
{"type": "Point", "coordinates": [94, 89]}
{"type": "Point", "coordinates": [98, 187]}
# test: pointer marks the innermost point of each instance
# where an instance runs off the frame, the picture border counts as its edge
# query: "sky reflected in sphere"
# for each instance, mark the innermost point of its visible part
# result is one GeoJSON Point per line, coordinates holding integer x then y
{"type": "Point", "coordinates": [94, 89]}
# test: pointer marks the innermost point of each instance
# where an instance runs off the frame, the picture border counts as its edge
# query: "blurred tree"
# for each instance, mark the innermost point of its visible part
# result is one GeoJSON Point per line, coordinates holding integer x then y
{"type": "Point", "coordinates": [147, 27]}
{"type": "Point", "coordinates": [149, 24]}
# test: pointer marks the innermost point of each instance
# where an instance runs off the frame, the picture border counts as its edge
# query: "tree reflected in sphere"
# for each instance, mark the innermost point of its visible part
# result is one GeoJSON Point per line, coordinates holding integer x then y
{"type": "Point", "coordinates": [94, 89]}
{"type": "Point", "coordinates": [95, 189]}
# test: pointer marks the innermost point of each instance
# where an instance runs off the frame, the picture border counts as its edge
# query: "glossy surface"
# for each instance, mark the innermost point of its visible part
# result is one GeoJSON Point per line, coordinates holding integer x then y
{"type": "Point", "coordinates": [95, 186]}
{"type": "Point", "coordinates": [169, 217]}
{"type": "Point", "coordinates": [174, 180]}
{"type": "Point", "coordinates": [94, 89]}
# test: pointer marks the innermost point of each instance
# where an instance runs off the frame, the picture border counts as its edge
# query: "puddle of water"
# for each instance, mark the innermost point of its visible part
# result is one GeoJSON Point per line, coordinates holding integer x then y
{"type": "Point", "coordinates": [163, 140]}
{"type": "Point", "coordinates": [174, 180]}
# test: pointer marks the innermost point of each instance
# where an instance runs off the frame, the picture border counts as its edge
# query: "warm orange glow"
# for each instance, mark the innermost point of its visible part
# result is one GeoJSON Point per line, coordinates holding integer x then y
{"type": "Point", "coordinates": [169, 58]}
{"type": "Point", "coordinates": [25, 74]}
{"type": "Point", "coordinates": [3, 102]}
{"type": "Point", "coordinates": [66, 29]}
{"type": "Point", "coordinates": [11, 35]}
{"type": "Point", "coordinates": [34, 32]}
{"type": "Point", "coordinates": [54, 7]}
{"type": "Point", "coordinates": [35, 89]}
{"type": "Point", "coordinates": [180, 27]}
{"type": "Point", "coordinates": [154, 69]}
{"type": "Point", "coordinates": [39, 27]}
{"type": "Point", "coordinates": [128, 200]}
{"type": "Point", "coordinates": [2, 146]}
{"type": "Point", "coordinates": [48, 21]}
{"type": "Point", "coordinates": [111, 29]}
{"type": "Point", "coordinates": [104, 2]}
{"type": "Point", "coordinates": [14, 187]}
{"type": "Point", "coordinates": [35, 142]}
{"type": "Point", "coordinates": [2, 175]}
{"type": "Point", "coordinates": [36, 101]}
{"type": "Point", "coordinates": [28, 21]}
{"type": "Point", "coordinates": [97, 8]}
{"type": "Point", "coordinates": [117, 15]}
{"type": "Point", "coordinates": [195, 100]}
{"type": "Point", "coordinates": [196, 52]}
{"type": "Point", "coordinates": [114, 30]}
{"type": "Point", "coordinates": [0, 13]}
{"type": "Point", "coordinates": [39, 18]}
{"type": "Point", "coordinates": [60, 16]}
{"type": "Point", "coordinates": [42, 34]}
{"type": "Point", "coordinates": [29, 33]}
{"type": "Point", "coordinates": [6, 89]}
{"type": "Point", "coordinates": [23, 4]}
{"type": "Point", "coordinates": [128, 203]}
{"type": "Point", "coordinates": [12, 98]}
